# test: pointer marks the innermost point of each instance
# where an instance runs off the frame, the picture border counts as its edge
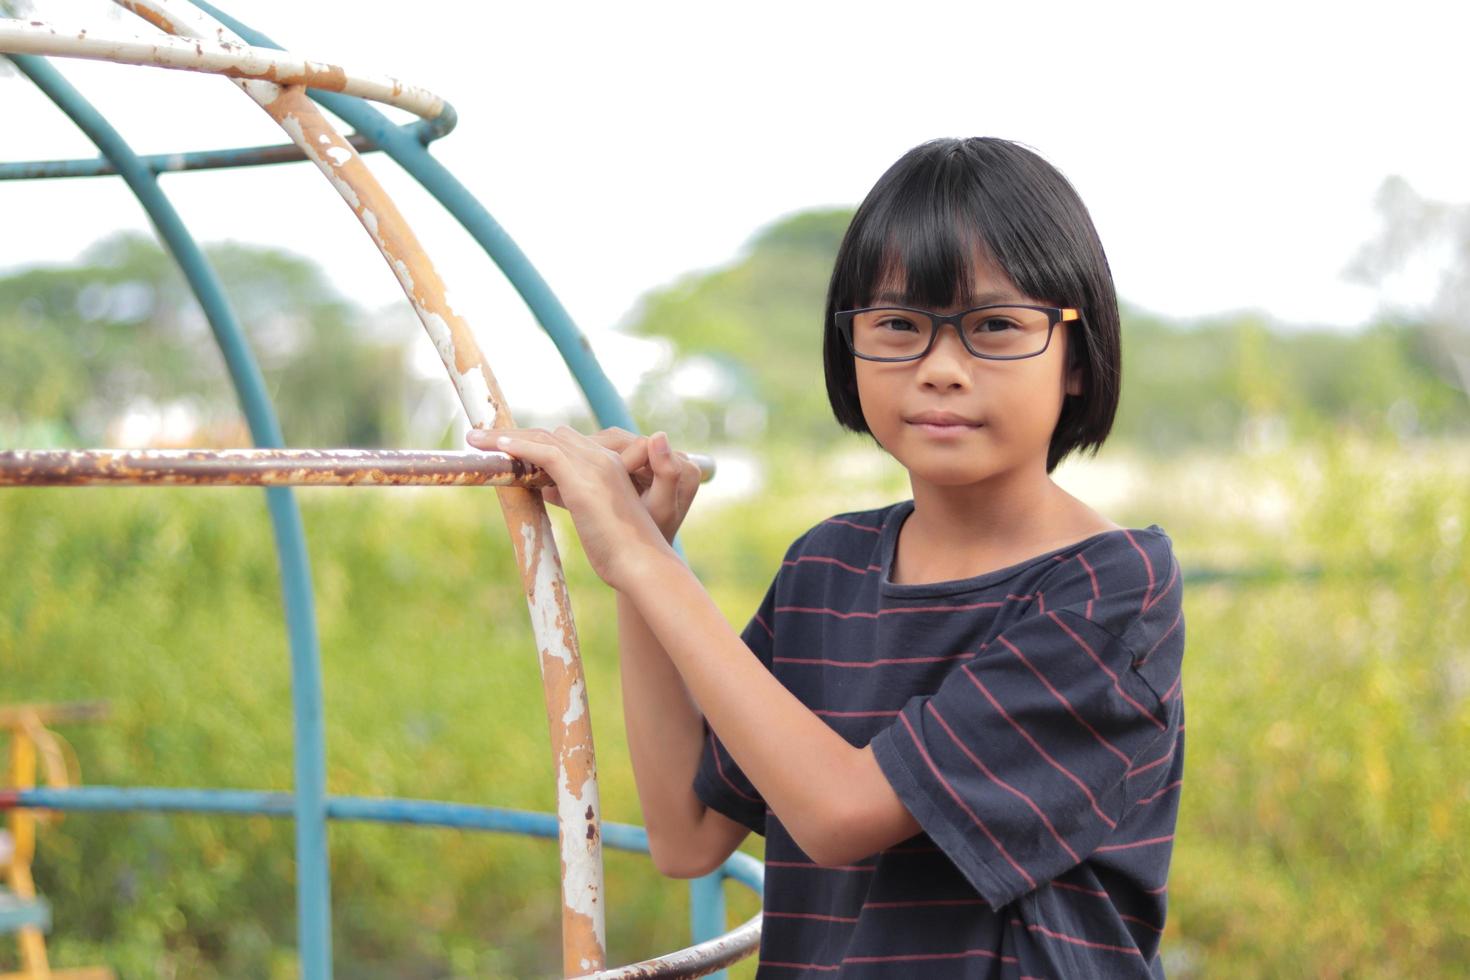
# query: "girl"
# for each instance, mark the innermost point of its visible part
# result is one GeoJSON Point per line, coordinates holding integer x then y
{"type": "Point", "coordinates": [956, 719]}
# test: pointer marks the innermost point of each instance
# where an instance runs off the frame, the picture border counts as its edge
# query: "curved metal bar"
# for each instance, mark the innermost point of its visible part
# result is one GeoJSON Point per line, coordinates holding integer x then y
{"type": "Point", "coordinates": [429, 813]}
{"type": "Point", "coordinates": [584, 942]}
{"type": "Point", "coordinates": [216, 57]}
{"type": "Point", "coordinates": [698, 960]}
{"type": "Point", "coordinates": [275, 468]}
{"type": "Point", "coordinates": [574, 347]}
{"type": "Point", "coordinates": [312, 887]}
{"type": "Point", "coordinates": [423, 131]}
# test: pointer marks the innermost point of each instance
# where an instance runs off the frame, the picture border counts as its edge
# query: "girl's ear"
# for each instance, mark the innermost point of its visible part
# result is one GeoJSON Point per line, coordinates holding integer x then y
{"type": "Point", "coordinates": [1074, 382]}
{"type": "Point", "coordinates": [1074, 364]}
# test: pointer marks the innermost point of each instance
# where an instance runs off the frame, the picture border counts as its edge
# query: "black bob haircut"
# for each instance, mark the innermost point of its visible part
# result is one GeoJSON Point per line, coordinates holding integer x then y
{"type": "Point", "coordinates": [926, 218]}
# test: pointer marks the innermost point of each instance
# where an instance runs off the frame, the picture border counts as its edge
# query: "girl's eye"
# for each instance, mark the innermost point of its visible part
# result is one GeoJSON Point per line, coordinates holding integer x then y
{"type": "Point", "coordinates": [995, 324]}
{"type": "Point", "coordinates": [896, 324]}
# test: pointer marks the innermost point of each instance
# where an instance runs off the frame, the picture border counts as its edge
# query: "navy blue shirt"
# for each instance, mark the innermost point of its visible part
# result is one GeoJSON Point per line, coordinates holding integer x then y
{"type": "Point", "coordinates": [1030, 719]}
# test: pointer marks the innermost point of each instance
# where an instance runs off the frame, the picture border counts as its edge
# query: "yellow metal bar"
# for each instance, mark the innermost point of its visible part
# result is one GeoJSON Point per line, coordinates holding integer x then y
{"type": "Point", "coordinates": [22, 826]}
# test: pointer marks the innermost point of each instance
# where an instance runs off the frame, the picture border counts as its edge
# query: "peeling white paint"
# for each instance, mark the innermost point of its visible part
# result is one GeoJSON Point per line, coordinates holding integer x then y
{"type": "Point", "coordinates": [576, 703]}
{"type": "Point", "coordinates": [293, 128]}
{"type": "Point", "coordinates": [546, 624]}
{"type": "Point", "coordinates": [581, 859]}
{"type": "Point", "coordinates": [345, 189]}
{"type": "Point", "coordinates": [473, 390]}
{"type": "Point", "coordinates": [339, 155]}
{"type": "Point", "coordinates": [405, 278]}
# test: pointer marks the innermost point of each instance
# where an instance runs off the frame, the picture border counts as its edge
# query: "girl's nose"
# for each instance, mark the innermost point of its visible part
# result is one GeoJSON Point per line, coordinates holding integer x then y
{"type": "Point", "coordinates": [948, 359]}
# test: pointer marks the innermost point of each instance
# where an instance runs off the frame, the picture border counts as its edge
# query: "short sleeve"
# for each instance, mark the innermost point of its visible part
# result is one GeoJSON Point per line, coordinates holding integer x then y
{"type": "Point", "coordinates": [1016, 765]}
{"type": "Point", "coordinates": [718, 782]}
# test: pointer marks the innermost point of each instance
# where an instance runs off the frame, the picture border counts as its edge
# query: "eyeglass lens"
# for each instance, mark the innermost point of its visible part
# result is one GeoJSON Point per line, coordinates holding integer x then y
{"type": "Point", "coordinates": [999, 331]}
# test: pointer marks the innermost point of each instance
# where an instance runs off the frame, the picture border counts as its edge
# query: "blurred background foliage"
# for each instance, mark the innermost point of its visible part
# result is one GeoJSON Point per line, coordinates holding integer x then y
{"type": "Point", "coordinates": [1314, 483]}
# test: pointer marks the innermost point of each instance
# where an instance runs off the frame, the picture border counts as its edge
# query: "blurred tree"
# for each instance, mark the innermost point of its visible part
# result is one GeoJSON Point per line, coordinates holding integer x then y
{"type": "Point", "coordinates": [747, 339]}
{"type": "Point", "coordinates": [1416, 229]}
{"type": "Point", "coordinates": [82, 345]}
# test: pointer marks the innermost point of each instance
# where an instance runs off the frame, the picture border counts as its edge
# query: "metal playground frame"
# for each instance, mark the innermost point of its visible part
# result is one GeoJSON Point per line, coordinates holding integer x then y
{"type": "Point", "coordinates": [199, 37]}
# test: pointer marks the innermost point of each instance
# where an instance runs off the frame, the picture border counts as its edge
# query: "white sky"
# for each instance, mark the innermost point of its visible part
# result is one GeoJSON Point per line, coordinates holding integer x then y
{"type": "Point", "coordinates": [1229, 157]}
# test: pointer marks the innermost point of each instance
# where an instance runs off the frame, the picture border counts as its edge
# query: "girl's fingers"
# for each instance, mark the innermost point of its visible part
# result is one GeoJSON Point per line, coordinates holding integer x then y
{"type": "Point", "coordinates": [663, 494]}
{"type": "Point", "coordinates": [636, 462]}
{"type": "Point", "coordinates": [532, 445]}
{"type": "Point", "coordinates": [616, 438]}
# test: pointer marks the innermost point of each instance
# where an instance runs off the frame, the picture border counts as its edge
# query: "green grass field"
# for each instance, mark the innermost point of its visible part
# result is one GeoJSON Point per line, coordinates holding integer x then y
{"type": "Point", "coordinates": [1327, 797]}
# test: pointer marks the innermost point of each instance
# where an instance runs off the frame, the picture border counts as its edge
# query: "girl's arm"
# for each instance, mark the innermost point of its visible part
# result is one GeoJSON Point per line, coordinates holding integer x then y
{"type": "Point", "coordinates": [832, 797]}
{"type": "Point", "coordinates": [665, 739]}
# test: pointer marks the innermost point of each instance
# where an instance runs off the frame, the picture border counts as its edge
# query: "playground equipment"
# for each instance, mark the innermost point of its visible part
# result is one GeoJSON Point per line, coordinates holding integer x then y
{"type": "Point", "coordinates": [33, 749]}
{"type": "Point", "coordinates": [199, 37]}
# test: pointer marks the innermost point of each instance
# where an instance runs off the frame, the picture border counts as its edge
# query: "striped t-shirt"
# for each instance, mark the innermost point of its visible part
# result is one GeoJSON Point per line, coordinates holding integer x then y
{"type": "Point", "coordinates": [1030, 718]}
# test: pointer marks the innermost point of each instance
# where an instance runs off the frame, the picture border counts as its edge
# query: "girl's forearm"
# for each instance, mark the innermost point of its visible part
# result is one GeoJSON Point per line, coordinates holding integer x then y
{"type": "Point", "coordinates": [831, 797]}
{"type": "Point", "coordinates": [665, 740]}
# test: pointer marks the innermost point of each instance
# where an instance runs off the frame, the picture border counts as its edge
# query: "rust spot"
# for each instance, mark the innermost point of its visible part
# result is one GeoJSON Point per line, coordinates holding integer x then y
{"type": "Point", "coordinates": [589, 811]}
{"type": "Point", "coordinates": [592, 831]}
{"type": "Point", "coordinates": [332, 77]}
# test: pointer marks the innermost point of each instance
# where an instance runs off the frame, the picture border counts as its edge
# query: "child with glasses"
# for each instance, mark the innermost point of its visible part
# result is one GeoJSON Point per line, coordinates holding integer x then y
{"type": "Point", "coordinates": [956, 719]}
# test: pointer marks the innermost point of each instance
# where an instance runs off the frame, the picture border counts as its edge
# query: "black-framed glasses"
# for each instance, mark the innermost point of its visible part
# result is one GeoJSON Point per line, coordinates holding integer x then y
{"type": "Point", "coordinates": [999, 333]}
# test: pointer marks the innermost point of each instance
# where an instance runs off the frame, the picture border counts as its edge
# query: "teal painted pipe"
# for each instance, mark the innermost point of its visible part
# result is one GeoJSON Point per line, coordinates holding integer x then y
{"type": "Point", "coordinates": [432, 813]}
{"type": "Point", "coordinates": [313, 896]}
{"type": "Point", "coordinates": [421, 130]}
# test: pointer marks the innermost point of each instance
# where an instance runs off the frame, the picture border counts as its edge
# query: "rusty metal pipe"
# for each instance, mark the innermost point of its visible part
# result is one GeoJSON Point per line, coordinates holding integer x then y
{"type": "Point", "coordinates": [276, 468]}
{"type": "Point", "coordinates": [696, 961]}
{"type": "Point", "coordinates": [218, 55]}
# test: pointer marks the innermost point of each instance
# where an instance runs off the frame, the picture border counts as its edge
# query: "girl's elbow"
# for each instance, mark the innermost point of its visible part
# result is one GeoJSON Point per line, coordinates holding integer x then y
{"type": "Point", "coordinates": [853, 830]}
{"type": "Point", "coordinates": [833, 854]}
{"type": "Point", "coordinates": [685, 870]}
{"type": "Point", "coordinates": [679, 863]}
{"type": "Point", "coordinates": [829, 844]}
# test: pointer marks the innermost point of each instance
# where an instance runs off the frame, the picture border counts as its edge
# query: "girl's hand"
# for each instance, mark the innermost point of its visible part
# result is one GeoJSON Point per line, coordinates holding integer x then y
{"type": "Point", "coordinates": [666, 481]}
{"type": "Point", "coordinates": [600, 487]}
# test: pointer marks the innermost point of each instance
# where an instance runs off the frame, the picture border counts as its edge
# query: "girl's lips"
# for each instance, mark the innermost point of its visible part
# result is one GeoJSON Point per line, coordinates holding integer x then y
{"type": "Point", "coordinates": [952, 430]}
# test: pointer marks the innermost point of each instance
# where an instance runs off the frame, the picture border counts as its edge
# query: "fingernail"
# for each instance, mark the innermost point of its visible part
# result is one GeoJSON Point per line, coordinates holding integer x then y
{"type": "Point", "coordinates": [661, 442]}
{"type": "Point", "coordinates": [504, 441]}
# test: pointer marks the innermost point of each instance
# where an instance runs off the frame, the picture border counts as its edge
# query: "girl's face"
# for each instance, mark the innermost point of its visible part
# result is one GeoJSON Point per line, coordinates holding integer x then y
{"type": "Point", "coordinates": [1011, 407]}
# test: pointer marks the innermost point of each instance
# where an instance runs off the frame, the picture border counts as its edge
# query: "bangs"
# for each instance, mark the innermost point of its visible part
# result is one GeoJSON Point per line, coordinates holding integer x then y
{"type": "Point", "coordinates": [928, 265]}
{"type": "Point", "coordinates": [922, 236]}
{"type": "Point", "coordinates": [921, 249]}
